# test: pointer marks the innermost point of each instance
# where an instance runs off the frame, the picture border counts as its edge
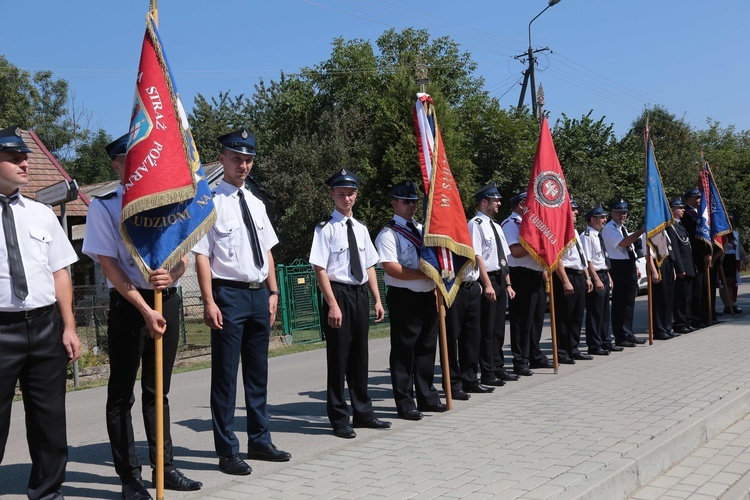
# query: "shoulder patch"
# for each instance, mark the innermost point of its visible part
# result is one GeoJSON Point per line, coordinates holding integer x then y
{"type": "Point", "coordinates": [325, 220]}
{"type": "Point", "coordinates": [107, 196]}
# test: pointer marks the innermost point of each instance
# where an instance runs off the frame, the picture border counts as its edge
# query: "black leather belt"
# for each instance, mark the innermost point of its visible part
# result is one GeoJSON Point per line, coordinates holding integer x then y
{"type": "Point", "coordinates": [16, 316]}
{"type": "Point", "coordinates": [167, 292]}
{"type": "Point", "coordinates": [336, 284]}
{"type": "Point", "coordinates": [602, 271]}
{"type": "Point", "coordinates": [240, 285]}
{"type": "Point", "coordinates": [494, 273]}
{"type": "Point", "coordinates": [574, 271]}
{"type": "Point", "coordinates": [467, 284]}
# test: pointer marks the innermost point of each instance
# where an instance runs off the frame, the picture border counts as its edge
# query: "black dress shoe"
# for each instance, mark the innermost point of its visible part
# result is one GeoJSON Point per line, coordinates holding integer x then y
{"type": "Point", "coordinates": [480, 389]}
{"type": "Point", "coordinates": [492, 381]}
{"type": "Point", "coordinates": [374, 423]}
{"type": "Point", "coordinates": [613, 348]}
{"type": "Point", "coordinates": [566, 361]}
{"type": "Point", "coordinates": [234, 466]}
{"type": "Point", "coordinates": [135, 490]}
{"type": "Point", "coordinates": [267, 452]}
{"type": "Point", "coordinates": [662, 336]}
{"type": "Point", "coordinates": [674, 334]}
{"type": "Point", "coordinates": [524, 372]}
{"type": "Point", "coordinates": [626, 343]}
{"type": "Point", "coordinates": [436, 408]}
{"type": "Point", "coordinates": [683, 329]}
{"type": "Point", "coordinates": [411, 415]}
{"type": "Point", "coordinates": [599, 351]}
{"type": "Point", "coordinates": [460, 395]}
{"type": "Point", "coordinates": [636, 340]}
{"type": "Point", "coordinates": [582, 357]}
{"type": "Point", "coordinates": [175, 480]}
{"type": "Point", "coordinates": [737, 310]}
{"type": "Point", "coordinates": [544, 364]}
{"type": "Point", "coordinates": [345, 432]}
{"type": "Point", "coordinates": [507, 377]}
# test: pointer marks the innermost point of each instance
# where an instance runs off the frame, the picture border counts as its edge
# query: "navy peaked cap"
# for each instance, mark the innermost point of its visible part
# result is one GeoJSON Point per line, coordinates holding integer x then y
{"type": "Point", "coordinates": [488, 191]}
{"type": "Point", "coordinates": [677, 203]}
{"type": "Point", "coordinates": [619, 205]}
{"type": "Point", "coordinates": [693, 192]}
{"type": "Point", "coordinates": [405, 190]}
{"type": "Point", "coordinates": [517, 199]}
{"type": "Point", "coordinates": [118, 147]}
{"type": "Point", "coordinates": [597, 211]}
{"type": "Point", "coordinates": [11, 140]}
{"type": "Point", "coordinates": [343, 179]}
{"type": "Point", "coordinates": [573, 204]}
{"type": "Point", "coordinates": [239, 141]}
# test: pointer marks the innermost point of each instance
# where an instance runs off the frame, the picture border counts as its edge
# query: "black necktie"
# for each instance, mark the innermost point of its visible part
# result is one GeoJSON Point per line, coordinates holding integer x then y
{"type": "Point", "coordinates": [580, 254]}
{"type": "Point", "coordinates": [252, 233]}
{"type": "Point", "coordinates": [607, 262]}
{"type": "Point", "coordinates": [15, 263]}
{"type": "Point", "coordinates": [500, 252]}
{"type": "Point", "coordinates": [631, 252]}
{"type": "Point", "coordinates": [354, 262]}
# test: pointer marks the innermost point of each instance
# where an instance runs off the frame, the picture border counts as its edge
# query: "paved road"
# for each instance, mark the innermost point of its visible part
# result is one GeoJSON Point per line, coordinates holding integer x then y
{"type": "Point", "coordinates": [577, 434]}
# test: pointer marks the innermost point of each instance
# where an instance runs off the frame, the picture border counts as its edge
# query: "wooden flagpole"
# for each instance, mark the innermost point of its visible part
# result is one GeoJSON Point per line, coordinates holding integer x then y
{"type": "Point", "coordinates": [444, 362]}
{"type": "Point", "coordinates": [649, 259]}
{"type": "Point", "coordinates": [727, 293]}
{"type": "Point", "coordinates": [159, 361]}
{"type": "Point", "coordinates": [708, 293]}
{"type": "Point", "coordinates": [552, 318]}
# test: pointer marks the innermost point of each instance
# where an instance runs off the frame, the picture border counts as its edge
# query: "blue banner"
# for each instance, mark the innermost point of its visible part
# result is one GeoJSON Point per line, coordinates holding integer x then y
{"type": "Point", "coordinates": [658, 213]}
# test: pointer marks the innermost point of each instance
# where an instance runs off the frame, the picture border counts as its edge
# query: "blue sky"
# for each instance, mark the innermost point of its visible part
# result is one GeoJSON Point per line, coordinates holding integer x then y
{"type": "Point", "coordinates": [612, 56]}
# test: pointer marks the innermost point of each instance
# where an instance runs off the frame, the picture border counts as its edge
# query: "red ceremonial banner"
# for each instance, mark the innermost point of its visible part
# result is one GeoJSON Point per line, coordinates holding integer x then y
{"type": "Point", "coordinates": [155, 166]}
{"type": "Point", "coordinates": [547, 223]}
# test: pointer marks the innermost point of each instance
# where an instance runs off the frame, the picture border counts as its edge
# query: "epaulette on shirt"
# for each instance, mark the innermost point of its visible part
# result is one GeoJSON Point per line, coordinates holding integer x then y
{"type": "Point", "coordinates": [586, 232]}
{"type": "Point", "coordinates": [107, 196]}
{"type": "Point", "coordinates": [478, 220]}
{"type": "Point", "coordinates": [325, 220]}
{"type": "Point", "coordinates": [390, 223]}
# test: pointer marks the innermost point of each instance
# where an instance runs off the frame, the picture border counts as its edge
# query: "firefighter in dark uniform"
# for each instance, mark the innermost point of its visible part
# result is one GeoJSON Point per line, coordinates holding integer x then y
{"type": "Point", "coordinates": [571, 282]}
{"type": "Point", "coordinates": [494, 274]}
{"type": "Point", "coordinates": [132, 324]}
{"type": "Point", "coordinates": [527, 308]}
{"type": "Point", "coordinates": [343, 257]}
{"type": "Point", "coordinates": [37, 328]}
{"type": "Point", "coordinates": [598, 339]}
{"type": "Point", "coordinates": [411, 308]}
{"type": "Point", "coordinates": [701, 259]}
{"type": "Point", "coordinates": [620, 246]}
{"type": "Point", "coordinates": [237, 279]}
{"type": "Point", "coordinates": [683, 287]}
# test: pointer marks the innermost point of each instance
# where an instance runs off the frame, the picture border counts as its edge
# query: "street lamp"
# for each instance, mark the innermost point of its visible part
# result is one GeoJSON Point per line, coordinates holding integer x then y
{"type": "Point", "coordinates": [528, 75]}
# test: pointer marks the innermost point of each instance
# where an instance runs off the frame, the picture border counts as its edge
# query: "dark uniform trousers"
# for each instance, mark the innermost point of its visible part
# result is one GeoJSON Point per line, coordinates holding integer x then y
{"type": "Point", "coordinates": [683, 301]}
{"type": "Point", "coordinates": [131, 346]}
{"type": "Point", "coordinates": [31, 351]}
{"type": "Point", "coordinates": [414, 327]}
{"type": "Point", "coordinates": [625, 282]}
{"type": "Point", "coordinates": [597, 314]}
{"type": "Point", "coordinates": [699, 309]}
{"type": "Point", "coordinates": [462, 329]}
{"type": "Point", "coordinates": [246, 333]}
{"type": "Point", "coordinates": [527, 317]}
{"type": "Point", "coordinates": [347, 355]}
{"type": "Point", "coordinates": [663, 297]}
{"type": "Point", "coordinates": [569, 313]}
{"type": "Point", "coordinates": [491, 357]}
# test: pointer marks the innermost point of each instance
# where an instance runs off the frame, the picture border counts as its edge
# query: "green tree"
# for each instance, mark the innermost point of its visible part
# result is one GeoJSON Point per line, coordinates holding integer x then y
{"type": "Point", "coordinates": [91, 163]}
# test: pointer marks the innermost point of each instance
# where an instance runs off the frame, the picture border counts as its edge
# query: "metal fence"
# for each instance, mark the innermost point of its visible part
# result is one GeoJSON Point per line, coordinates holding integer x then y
{"type": "Point", "coordinates": [297, 321]}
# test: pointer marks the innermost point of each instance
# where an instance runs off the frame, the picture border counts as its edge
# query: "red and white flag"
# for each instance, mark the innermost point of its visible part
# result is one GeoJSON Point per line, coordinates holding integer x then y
{"type": "Point", "coordinates": [547, 222]}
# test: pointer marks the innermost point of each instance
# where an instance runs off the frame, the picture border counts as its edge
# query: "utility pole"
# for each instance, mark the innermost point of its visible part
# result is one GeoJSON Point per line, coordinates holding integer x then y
{"type": "Point", "coordinates": [421, 74]}
{"type": "Point", "coordinates": [528, 75]}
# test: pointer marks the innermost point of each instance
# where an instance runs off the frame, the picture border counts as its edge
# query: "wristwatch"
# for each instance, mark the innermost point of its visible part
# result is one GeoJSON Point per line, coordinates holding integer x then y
{"type": "Point", "coordinates": [274, 292]}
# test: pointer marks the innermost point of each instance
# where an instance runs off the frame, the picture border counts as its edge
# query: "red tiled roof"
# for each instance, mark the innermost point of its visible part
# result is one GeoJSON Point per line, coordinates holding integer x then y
{"type": "Point", "coordinates": [44, 170]}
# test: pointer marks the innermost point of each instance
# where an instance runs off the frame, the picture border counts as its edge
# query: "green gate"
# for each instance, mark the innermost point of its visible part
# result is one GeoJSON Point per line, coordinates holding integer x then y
{"type": "Point", "coordinates": [300, 311]}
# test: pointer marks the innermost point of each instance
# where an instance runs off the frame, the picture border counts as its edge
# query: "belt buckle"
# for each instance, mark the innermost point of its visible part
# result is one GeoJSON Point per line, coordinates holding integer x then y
{"type": "Point", "coordinates": [28, 314]}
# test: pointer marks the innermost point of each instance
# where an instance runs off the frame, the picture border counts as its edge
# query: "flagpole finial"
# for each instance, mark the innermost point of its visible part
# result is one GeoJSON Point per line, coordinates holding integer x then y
{"type": "Point", "coordinates": [540, 101]}
{"type": "Point", "coordinates": [421, 73]}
